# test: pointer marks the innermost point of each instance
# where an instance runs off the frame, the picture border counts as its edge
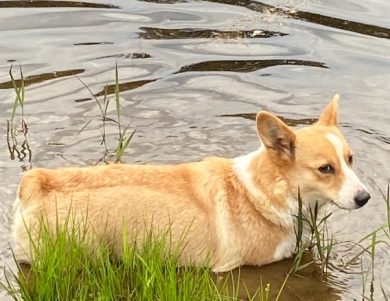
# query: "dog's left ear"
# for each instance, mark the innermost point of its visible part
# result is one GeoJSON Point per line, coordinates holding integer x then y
{"type": "Point", "coordinates": [276, 135]}
{"type": "Point", "coordinates": [329, 115]}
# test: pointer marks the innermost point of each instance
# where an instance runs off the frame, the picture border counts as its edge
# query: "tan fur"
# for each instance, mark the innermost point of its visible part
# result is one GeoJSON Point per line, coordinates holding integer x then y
{"type": "Point", "coordinates": [227, 212]}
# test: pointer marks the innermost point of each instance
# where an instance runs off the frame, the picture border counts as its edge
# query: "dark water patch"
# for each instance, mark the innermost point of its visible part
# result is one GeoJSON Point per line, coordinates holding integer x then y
{"type": "Point", "coordinates": [192, 33]}
{"type": "Point", "coordinates": [138, 56]}
{"type": "Point", "coordinates": [33, 3]}
{"type": "Point", "coordinates": [110, 89]}
{"type": "Point", "coordinates": [93, 43]}
{"type": "Point", "coordinates": [243, 66]}
{"type": "Point", "coordinates": [166, 1]}
{"type": "Point", "coordinates": [35, 79]}
{"type": "Point", "coordinates": [288, 121]}
{"type": "Point", "coordinates": [83, 99]}
{"type": "Point", "coordinates": [366, 29]}
{"type": "Point", "coordinates": [135, 55]}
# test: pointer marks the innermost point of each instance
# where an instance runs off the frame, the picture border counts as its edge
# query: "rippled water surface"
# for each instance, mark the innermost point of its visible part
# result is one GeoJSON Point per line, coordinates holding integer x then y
{"type": "Point", "coordinates": [193, 74]}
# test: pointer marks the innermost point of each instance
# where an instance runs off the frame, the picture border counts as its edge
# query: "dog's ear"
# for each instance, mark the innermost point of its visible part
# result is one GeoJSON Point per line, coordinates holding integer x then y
{"type": "Point", "coordinates": [329, 115]}
{"type": "Point", "coordinates": [276, 135]}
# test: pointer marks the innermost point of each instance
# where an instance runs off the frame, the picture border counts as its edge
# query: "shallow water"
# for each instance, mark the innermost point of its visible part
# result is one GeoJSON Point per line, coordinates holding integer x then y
{"type": "Point", "coordinates": [193, 74]}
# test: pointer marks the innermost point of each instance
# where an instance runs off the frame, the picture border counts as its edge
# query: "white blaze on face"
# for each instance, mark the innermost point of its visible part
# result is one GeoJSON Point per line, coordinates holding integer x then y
{"type": "Point", "coordinates": [351, 184]}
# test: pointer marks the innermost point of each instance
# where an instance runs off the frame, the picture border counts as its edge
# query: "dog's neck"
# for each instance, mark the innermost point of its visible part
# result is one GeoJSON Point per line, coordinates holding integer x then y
{"type": "Point", "coordinates": [269, 191]}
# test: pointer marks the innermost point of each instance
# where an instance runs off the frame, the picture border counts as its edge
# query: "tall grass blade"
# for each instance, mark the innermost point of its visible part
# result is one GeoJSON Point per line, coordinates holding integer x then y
{"type": "Point", "coordinates": [123, 144]}
{"type": "Point", "coordinates": [19, 91]}
{"type": "Point", "coordinates": [385, 297]}
{"type": "Point", "coordinates": [299, 230]}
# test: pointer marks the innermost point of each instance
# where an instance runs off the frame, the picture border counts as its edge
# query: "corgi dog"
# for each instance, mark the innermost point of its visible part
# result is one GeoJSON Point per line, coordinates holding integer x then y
{"type": "Point", "coordinates": [232, 212]}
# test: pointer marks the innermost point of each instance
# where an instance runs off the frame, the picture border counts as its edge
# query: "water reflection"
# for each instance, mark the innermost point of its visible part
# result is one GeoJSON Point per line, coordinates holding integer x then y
{"type": "Point", "coordinates": [192, 33]}
{"type": "Point", "coordinates": [306, 284]}
{"type": "Point", "coordinates": [16, 150]}
{"type": "Point", "coordinates": [246, 65]}
{"type": "Point", "coordinates": [366, 29]}
{"type": "Point", "coordinates": [33, 3]}
{"type": "Point", "coordinates": [93, 43]}
{"type": "Point", "coordinates": [39, 78]}
{"type": "Point", "coordinates": [110, 89]}
{"type": "Point", "coordinates": [135, 55]}
{"type": "Point", "coordinates": [288, 121]}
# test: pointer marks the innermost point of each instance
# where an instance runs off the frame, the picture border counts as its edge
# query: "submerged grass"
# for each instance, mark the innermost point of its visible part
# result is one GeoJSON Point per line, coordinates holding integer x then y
{"type": "Point", "coordinates": [318, 237]}
{"type": "Point", "coordinates": [371, 249]}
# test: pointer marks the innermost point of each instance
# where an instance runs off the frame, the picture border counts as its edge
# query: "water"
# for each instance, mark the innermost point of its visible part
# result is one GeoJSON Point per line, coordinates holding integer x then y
{"type": "Point", "coordinates": [193, 74]}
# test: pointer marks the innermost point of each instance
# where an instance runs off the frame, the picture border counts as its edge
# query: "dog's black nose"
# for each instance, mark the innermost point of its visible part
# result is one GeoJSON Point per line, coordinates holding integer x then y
{"type": "Point", "coordinates": [361, 198]}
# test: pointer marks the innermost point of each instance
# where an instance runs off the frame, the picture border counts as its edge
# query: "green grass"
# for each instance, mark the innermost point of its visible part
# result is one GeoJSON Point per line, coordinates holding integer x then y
{"type": "Point", "coordinates": [17, 141]}
{"type": "Point", "coordinates": [64, 269]}
{"type": "Point", "coordinates": [123, 137]}
{"type": "Point", "coordinates": [19, 91]}
{"type": "Point", "coordinates": [318, 238]}
{"type": "Point", "coordinates": [12, 130]}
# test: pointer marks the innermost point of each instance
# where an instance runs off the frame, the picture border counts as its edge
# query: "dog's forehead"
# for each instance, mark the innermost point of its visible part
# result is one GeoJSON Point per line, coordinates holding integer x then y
{"type": "Point", "coordinates": [322, 138]}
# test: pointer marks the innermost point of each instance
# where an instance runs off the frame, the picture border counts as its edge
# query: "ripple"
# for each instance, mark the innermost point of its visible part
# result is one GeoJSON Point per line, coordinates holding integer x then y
{"type": "Point", "coordinates": [382, 137]}
{"type": "Point", "coordinates": [288, 121]}
{"type": "Point", "coordinates": [233, 47]}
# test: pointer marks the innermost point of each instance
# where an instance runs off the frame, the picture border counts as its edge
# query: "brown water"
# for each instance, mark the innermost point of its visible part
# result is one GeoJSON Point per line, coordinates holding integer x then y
{"type": "Point", "coordinates": [192, 75]}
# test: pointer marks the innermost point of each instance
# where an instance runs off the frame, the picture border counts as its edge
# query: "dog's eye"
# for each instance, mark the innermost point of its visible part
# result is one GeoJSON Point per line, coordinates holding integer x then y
{"type": "Point", "coordinates": [326, 168]}
{"type": "Point", "coordinates": [350, 159]}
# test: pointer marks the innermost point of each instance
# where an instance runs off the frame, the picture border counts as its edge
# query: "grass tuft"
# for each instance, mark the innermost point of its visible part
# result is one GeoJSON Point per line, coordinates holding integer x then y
{"type": "Point", "coordinates": [63, 268]}
{"type": "Point", "coordinates": [123, 140]}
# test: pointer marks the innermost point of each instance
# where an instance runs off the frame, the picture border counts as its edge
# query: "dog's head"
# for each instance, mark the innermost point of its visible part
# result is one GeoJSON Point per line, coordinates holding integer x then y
{"type": "Point", "coordinates": [316, 159]}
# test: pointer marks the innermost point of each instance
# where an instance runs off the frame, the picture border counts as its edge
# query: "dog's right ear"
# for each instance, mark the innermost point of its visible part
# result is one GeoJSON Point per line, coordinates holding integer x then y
{"type": "Point", "coordinates": [276, 135]}
{"type": "Point", "coordinates": [329, 115]}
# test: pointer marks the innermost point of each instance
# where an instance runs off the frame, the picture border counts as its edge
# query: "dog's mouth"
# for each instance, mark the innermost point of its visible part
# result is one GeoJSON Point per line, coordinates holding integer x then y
{"type": "Point", "coordinates": [333, 202]}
